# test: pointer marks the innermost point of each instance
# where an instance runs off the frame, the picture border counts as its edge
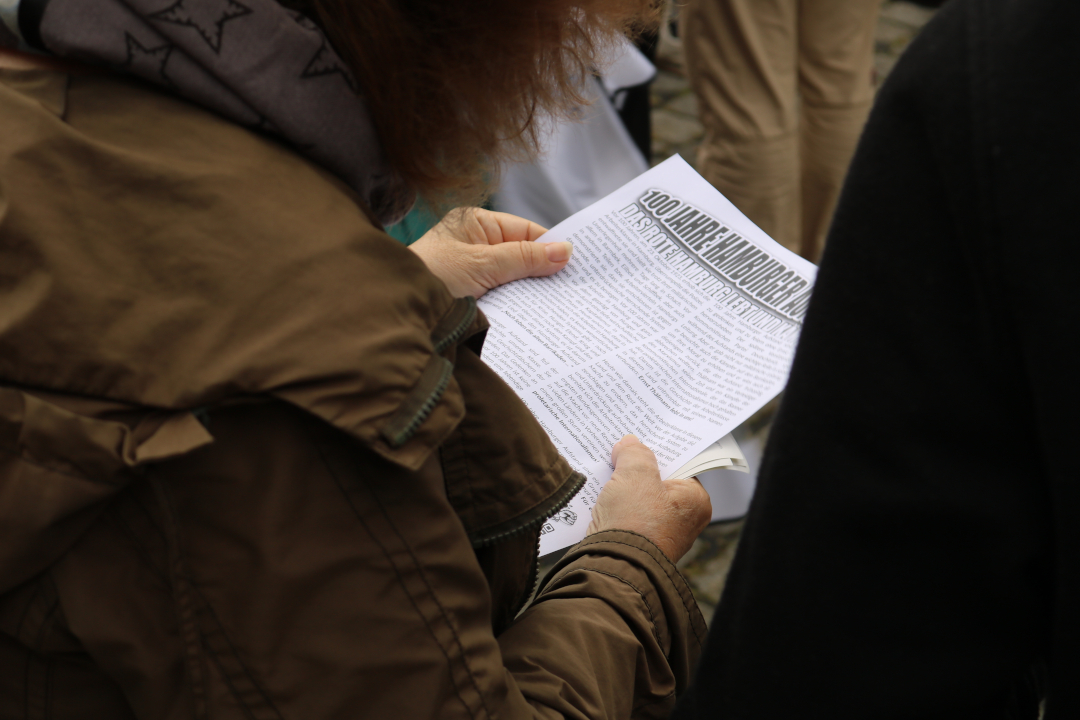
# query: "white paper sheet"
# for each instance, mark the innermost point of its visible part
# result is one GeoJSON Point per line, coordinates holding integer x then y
{"type": "Point", "coordinates": [675, 320]}
{"type": "Point", "coordinates": [724, 453]}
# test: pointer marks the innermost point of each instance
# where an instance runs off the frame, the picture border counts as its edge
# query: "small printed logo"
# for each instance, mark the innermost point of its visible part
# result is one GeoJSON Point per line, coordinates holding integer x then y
{"type": "Point", "coordinates": [548, 527]}
{"type": "Point", "coordinates": [565, 516]}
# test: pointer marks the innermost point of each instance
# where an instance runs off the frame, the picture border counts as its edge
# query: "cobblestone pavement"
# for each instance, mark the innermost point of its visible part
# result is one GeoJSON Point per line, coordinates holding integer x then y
{"type": "Point", "coordinates": [676, 129]}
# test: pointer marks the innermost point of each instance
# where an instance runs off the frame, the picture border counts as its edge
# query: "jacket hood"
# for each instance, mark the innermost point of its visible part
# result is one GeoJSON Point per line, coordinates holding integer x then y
{"type": "Point", "coordinates": [256, 63]}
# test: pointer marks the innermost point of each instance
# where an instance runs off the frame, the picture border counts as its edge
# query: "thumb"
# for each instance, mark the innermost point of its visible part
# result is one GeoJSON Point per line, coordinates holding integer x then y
{"type": "Point", "coordinates": [619, 447]}
{"type": "Point", "coordinates": [516, 260]}
{"type": "Point", "coordinates": [631, 455]}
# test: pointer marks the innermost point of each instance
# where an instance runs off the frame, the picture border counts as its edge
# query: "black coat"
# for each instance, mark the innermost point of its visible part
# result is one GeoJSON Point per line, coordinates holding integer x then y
{"type": "Point", "coordinates": [913, 550]}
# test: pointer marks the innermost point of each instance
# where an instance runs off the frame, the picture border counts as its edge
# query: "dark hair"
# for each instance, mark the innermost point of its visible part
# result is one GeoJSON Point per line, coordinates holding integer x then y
{"type": "Point", "coordinates": [456, 87]}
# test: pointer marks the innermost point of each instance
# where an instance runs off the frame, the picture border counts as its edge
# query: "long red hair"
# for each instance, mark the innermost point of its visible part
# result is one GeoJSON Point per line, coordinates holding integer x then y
{"type": "Point", "coordinates": [456, 87]}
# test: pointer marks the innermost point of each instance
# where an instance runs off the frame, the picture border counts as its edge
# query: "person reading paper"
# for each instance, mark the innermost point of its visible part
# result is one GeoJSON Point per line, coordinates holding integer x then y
{"type": "Point", "coordinates": [251, 464]}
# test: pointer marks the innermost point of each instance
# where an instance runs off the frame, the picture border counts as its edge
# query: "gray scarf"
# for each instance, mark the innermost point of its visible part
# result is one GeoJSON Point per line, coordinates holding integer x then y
{"type": "Point", "coordinates": [254, 62]}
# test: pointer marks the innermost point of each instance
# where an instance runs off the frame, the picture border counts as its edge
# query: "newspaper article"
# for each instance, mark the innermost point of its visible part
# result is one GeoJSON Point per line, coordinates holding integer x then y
{"type": "Point", "coordinates": [676, 320]}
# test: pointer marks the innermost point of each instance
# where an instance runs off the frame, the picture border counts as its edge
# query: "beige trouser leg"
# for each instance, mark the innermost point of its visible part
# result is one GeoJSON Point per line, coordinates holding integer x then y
{"type": "Point", "coordinates": [836, 61]}
{"type": "Point", "coordinates": [784, 88]}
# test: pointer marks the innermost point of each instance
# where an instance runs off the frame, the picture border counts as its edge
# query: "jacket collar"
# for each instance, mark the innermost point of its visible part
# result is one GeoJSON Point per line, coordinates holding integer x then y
{"type": "Point", "coordinates": [156, 255]}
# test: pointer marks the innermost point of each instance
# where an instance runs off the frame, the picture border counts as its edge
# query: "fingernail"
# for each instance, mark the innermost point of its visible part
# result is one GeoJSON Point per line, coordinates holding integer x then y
{"type": "Point", "coordinates": [558, 252]}
{"type": "Point", "coordinates": [631, 435]}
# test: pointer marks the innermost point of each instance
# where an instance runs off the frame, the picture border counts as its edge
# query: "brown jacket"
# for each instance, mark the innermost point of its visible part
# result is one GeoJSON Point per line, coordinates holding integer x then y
{"type": "Point", "coordinates": [251, 465]}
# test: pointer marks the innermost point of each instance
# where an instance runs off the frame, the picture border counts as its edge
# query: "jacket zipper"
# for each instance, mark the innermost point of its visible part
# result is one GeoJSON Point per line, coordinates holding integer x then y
{"type": "Point", "coordinates": [404, 423]}
{"type": "Point", "coordinates": [563, 501]}
{"type": "Point", "coordinates": [540, 513]}
{"type": "Point", "coordinates": [433, 382]}
{"type": "Point", "coordinates": [460, 317]}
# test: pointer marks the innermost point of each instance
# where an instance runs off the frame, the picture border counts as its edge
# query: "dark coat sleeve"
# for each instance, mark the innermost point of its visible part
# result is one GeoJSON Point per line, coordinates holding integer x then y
{"type": "Point", "coordinates": [899, 558]}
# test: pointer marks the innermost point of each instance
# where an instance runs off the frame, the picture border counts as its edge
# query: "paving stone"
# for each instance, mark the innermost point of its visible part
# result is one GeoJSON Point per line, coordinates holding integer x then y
{"type": "Point", "coordinates": [668, 84]}
{"type": "Point", "coordinates": [661, 152]}
{"type": "Point", "coordinates": [674, 128]}
{"type": "Point", "coordinates": [891, 33]}
{"type": "Point", "coordinates": [685, 104]}
{"type": "Point", "coordinates": [883, 65]}
{"type": "Point", "coordinates": [688, 152]}
{"type": "Point", "coordinates": [707, 564]}
{"type": "Point", "coordinates": [907, 13]}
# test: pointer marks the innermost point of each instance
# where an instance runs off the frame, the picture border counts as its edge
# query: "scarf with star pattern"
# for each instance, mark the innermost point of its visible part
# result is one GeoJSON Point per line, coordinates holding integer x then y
{"type": "Point", "coordinates": [253, 61]}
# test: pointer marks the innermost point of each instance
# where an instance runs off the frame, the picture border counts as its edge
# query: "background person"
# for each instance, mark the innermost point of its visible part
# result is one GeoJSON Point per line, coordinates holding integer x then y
{"type": "Point", "coordinates": [783, 87]}
{"type": "Point", "coordinates": [929, 568]}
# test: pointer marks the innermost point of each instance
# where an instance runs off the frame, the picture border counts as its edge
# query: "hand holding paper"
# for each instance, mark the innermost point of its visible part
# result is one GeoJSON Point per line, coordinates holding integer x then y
{"type": "Point", "coordinates": [670, 513]}
{"type": "Point", "coordinates": [474, 250]}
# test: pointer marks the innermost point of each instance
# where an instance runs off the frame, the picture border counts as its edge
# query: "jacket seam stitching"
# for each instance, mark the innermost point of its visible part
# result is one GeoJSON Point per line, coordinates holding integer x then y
{"type": "Point", "coordinates": [187, 624]}
{"type": "Point", "coordinates": [648, 605]}
{"type": "Point", "coordinates": [446, 616]}
{"type": "Point", "coordinates": [665, 563]}
{"type": "Point", "coordinates": [680, 584]}
{"type": "Point", "coordinates": [147, 558]}
{"type": "Point", "coordinates": [215, 656]}
{"type": "Point", "coordinates": [397, 572]}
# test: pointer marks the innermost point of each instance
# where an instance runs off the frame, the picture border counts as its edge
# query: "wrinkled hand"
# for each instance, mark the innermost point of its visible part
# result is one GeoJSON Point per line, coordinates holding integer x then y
{"type": "Point", "coordinates": [671, 513]}
{"type": "Point", "coordinates": [474, 250]}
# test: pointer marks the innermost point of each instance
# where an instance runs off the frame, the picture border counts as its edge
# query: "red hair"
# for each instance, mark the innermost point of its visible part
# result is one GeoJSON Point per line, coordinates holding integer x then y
{"type": "Point", "coordinates": [456, 87]}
